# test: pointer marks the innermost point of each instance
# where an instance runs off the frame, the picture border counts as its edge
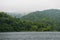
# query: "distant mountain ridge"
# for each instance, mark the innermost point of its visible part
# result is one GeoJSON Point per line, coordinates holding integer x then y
{"type": "Point", "coordinates": [17, 15]}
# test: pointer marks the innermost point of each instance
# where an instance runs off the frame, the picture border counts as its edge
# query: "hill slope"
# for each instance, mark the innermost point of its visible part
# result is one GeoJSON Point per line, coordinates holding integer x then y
{"type": "Point", "coordinates": [11, 24]}
{"type": "Point", "coordinates": [41, 16]}
{"type": "Point", "coordinates": [51, 17]}
{"type": "Point", "coordinates": [47, 20]}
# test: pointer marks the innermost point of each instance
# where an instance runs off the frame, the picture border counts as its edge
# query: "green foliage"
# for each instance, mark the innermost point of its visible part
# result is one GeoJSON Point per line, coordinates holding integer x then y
{"type": "Point", "coordinates": [47, 20]}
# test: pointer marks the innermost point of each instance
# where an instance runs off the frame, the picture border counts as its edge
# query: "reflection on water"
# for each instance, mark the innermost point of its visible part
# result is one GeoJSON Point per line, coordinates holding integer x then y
{"type": "Point", "coordinates": [30, 36]}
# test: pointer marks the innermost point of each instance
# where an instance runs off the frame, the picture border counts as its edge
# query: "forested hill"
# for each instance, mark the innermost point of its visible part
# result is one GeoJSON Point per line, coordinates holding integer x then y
{"type": "Point", "coordinates": [11, 24]}
{"type": "Point", "coordinates": [46, 15]}
{"type": "Point", "coordinates": [50, 17]}
{"type": "Point", "coordinates": [47, 20]}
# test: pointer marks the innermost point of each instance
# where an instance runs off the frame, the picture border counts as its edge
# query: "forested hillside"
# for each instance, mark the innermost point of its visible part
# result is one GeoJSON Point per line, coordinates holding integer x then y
{"type": "Point", "coordinates": [11, 24]}
{"type": "Point", "coordinates": [50, 17]}
{"type": "Point", "coordinates": [47, 20]}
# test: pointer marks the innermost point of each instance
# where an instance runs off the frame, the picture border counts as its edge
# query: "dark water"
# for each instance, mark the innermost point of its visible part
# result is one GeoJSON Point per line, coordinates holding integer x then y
{"type": "Point", "coordinates": [30, 36]}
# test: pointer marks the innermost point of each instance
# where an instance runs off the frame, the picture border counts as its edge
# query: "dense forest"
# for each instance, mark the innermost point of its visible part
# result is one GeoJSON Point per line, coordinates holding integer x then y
{"type": "Point", "coordinates": [47, 20]}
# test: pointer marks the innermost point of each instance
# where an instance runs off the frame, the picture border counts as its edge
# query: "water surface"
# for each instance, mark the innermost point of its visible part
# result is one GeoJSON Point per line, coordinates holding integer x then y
{"type": "Point", "coordinates": [30, 36]}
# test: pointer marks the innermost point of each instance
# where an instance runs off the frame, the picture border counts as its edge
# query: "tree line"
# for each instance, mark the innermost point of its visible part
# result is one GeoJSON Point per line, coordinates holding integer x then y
{"type": "Point", "coordinates": [11, 24]}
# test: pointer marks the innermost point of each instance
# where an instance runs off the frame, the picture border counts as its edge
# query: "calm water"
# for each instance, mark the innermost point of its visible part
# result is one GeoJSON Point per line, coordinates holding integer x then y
{"type": "Point", "coordinates": [30, 36]}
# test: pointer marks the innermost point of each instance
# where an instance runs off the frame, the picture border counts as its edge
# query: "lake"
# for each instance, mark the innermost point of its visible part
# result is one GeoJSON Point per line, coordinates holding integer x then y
{"type": "Point", "coordinates": [30, 36]}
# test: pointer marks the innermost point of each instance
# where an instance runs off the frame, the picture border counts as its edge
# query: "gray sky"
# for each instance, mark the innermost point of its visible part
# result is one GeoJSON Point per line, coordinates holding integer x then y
{"type": "Point", "coordinates": [28, 5]}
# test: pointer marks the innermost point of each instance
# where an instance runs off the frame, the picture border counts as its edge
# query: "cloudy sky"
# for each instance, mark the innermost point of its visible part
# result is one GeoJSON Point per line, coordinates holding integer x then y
{"type": "Point", "coordinates": [24, 6]}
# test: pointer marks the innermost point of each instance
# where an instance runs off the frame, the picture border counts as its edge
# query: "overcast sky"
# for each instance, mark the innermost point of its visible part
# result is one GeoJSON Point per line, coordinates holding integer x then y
{"type": "Point", "coordinates": [28, 5]}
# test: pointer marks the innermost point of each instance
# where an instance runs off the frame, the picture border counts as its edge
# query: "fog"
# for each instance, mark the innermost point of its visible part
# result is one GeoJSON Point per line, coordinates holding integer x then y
{"type": "Point", "coordinates": [25, 6]}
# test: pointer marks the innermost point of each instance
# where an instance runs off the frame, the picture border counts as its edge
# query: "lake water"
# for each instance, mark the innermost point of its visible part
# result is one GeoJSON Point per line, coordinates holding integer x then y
{"type": "Point", "coordinates": [30, 36]}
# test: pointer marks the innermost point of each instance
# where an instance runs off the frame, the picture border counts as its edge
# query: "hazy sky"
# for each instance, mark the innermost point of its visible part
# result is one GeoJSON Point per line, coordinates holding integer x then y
{"type": "Point", "coordinates": [28, 5]}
